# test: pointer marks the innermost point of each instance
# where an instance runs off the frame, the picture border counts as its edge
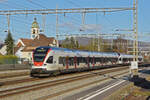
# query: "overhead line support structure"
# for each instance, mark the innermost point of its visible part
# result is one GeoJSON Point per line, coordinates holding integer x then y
{"type": "Point", "coordinates": [135, 29]}
{"type": "Point", "coordinates": [84, 10]}
{"type": "Point", "coordinates": [61, 11]}
{"type": "Point", "coordinates": [134, 65]}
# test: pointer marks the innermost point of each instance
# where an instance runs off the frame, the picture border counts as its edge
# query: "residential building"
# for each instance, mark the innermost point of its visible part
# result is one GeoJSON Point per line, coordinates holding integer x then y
{"type": "Point", "coordinates": [25, 46]}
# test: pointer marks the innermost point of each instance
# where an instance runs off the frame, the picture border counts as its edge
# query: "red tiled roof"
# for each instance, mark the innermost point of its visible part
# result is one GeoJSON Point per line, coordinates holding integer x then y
{"type": "Point", "coordinates": [26, 41]}
{"type": "Point", "coordinates": [42, 40]}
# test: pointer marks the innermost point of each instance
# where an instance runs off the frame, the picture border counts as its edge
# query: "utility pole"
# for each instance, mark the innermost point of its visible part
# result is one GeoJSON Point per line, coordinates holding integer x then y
{"type": "Point", "coordinates": [134, 64]}
{"type": "Point", "coordinates": [93, 43]}
{"type": "Point", "coordinates": [112, 43]}
{"type": "Point", "coordinates": [99, 43]}
{"type": "Point", "coordinates": [136, 29]}
{"type": "Point", "coordinates": [127, 46]}
{"type": "Point", "coordinates": [43, 24]}
{"type": "Point", "coordinates": [8, 22]}
{"type": "Point", "coordinates": [57, 26]}
{"type": "Point", "coordinates": [8, 30]}
{"type": "Point", "coordinates": [83, 18]}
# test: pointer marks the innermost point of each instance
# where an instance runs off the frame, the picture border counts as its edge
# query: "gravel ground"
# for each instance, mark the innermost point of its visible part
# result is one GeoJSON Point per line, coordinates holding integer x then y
{"type": "Point", "coordinates": [49, 79]}
{"type": "Point", "coordinates": [14, 78]}
{"type": "Point", "coordinates": [86, 88]}
{"type": "Point", "coordinates": [13, 72]}
{"type": "Point", "coordinates": [47, 91]}
{"type": "Point", "coordinates": [138, 89]}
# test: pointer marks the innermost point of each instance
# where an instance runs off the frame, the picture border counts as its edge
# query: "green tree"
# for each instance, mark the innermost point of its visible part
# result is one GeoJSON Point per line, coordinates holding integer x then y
{"type": "Point", "coordinates": [70, 43]}
{"type": "Point", "coordinates": [9, 42]}
{"type": "Point", "coordinates": [65, 43]}
{"type": "Point", "coordinates": [77, 44]}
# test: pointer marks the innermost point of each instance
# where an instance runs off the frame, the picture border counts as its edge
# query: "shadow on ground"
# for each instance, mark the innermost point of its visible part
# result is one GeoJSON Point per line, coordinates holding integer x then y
{"type": "Point", "coordinates": [141, 82]}
{"type": "Point", "coordinates": [148, 98]}
{"type": "Point", "coordinates": [144, 71]}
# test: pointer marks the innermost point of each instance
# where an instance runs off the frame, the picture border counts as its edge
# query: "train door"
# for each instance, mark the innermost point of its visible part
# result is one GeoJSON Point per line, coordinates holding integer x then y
{"type": "Point", "coordinates": [51, 62]}
{"type": "Point", "coordinates": [56, 62]}
{"type": "Point", "coordinates": [61, 62]}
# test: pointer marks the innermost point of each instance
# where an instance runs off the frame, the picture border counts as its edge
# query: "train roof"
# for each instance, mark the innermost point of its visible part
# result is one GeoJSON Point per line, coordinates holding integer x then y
{"type": "Point", "coordinates": [90, 53]}
{"type": "Point", "coordinates": [105, 54]}
{"type": "Point", "coordinates": [65, 49]}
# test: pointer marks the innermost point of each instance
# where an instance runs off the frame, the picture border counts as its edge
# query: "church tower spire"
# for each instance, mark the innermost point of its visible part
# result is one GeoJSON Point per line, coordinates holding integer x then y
{"type": "Point", "coordinates": [35, 29]}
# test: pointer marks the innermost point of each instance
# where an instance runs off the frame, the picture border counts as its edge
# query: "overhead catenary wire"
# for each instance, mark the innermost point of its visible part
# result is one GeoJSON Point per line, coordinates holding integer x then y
{"type": "Point", "coordinates": [35, 3]}
{"type": "Point", "coordinates": [73, 9]}
{"type": "Point", "coordinates": [73, 3]}
{"type": "Point", "coordinates": [6, 4]}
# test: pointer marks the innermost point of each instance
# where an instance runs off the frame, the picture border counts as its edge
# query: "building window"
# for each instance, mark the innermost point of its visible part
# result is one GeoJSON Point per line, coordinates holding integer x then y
{"type": "Point", "coordinates": [33, 31]}
{"type": "Point", "coordinates": [33, 36]}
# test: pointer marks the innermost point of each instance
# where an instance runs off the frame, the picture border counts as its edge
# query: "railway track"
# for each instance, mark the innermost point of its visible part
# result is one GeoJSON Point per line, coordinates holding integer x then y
{"type": "Point", "coordinates": [24, 89]}
{"type": "Point", "coordinates": [29, 79]}
{"type": "Point", "coordinates": [16, 81]}
{"type": "Point", "coordinates": [27, 73]}
{"type": "Point", "coordinates": [75, 88]}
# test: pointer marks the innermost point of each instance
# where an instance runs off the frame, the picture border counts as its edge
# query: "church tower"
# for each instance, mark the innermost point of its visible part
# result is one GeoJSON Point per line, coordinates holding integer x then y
{"type": "Point", "coordinates": [35, 29]}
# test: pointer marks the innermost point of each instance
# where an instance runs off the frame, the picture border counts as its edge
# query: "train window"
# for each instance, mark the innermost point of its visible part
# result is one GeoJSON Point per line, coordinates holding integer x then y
{"type": "Point", "coordinates": [38, 58]}
{"type": "Point", "coordinates": [71, 61]}
{"type": "Point", "coordinates": [120, 59]}
{"type": "Point", "coordinates": [84, 60]}
{"type": "Point", "coordinates": [50, 60]}
{"type": "Point", "coordinates": [90, 60]}
{"type": "Point", "coordinates": [41, 51]}
{"type": "Point", "coordinates": [60, 60]}
{"type": "Point", "coordinates": [97, 59]}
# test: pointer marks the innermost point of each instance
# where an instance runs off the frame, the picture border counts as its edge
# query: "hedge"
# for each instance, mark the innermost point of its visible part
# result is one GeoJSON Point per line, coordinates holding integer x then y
{"type": "Point", "coordinates": [8, 59]}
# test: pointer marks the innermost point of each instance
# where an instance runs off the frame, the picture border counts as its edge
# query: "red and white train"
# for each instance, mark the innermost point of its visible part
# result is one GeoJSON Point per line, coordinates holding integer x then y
{"type": "Point", "coordinates": [53, 60]}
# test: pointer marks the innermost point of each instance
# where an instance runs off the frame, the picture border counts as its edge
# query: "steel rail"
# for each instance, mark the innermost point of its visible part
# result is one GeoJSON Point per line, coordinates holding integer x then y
{"type": "Point", "coordinates": [20, 90]}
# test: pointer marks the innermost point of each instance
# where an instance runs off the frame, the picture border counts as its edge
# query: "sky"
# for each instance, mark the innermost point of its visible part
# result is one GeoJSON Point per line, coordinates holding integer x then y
{"type": "Point", "coordinates": [20, 25]}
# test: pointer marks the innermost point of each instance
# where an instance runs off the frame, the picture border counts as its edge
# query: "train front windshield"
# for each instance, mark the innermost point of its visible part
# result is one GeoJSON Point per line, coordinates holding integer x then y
{"type": "Point", "coordinates": [39, 54]}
